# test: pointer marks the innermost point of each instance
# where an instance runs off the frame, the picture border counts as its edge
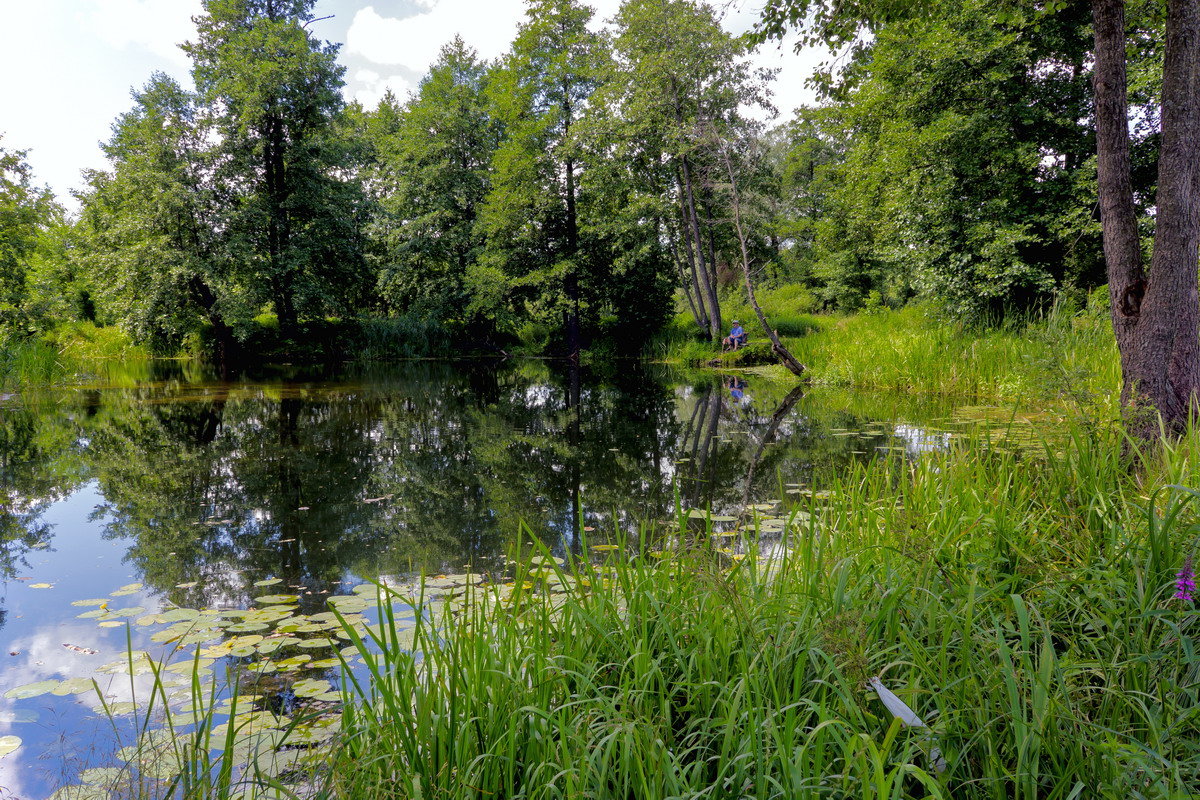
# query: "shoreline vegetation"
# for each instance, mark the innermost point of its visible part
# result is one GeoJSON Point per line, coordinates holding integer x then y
{"type": "Point", "coordinates": [1065, 356]}
{"type": "Point", "coordinates": [975, 190]}
{"type": "Point", "coordinates": [1025, 606]}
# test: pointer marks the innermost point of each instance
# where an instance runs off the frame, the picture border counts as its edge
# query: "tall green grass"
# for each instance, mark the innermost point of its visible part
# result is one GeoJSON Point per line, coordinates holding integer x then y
{"type": "Point", "coordinates": [1021, 606]}
{"type": "Point", "coordinates": [1020, 603]}
{"type": "Point", "coordinates": [28, 361]}
{"type": "Point", "coordinates": [1064, 356]}
{"type": "Point", "coordinates": [71, 352]}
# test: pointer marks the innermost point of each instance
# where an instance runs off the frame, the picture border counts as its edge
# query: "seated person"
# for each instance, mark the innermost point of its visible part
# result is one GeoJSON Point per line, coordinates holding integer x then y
{"type": "Point", "coordinates": [736, 339]}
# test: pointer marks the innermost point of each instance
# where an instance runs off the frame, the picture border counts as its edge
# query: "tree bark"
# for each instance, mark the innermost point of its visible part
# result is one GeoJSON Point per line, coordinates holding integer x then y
{"type": "Point", "coordinates": [1156, 318]}
{"type": "Point", "coordinates": [571, 283]}
{"type": "Point", "coordinates": [702, 318]}
{"type": "Point", "coordinates": [777, 347]}
{"type": "Point", "coordinates": [707, 271]}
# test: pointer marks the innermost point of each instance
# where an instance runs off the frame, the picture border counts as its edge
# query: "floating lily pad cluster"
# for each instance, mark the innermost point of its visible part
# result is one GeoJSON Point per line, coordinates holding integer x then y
{"type": "Point", "coordinates": [286, 711]}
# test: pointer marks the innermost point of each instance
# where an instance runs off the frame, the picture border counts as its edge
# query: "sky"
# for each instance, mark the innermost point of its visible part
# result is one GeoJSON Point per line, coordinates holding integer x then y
{"type": "Point", "coordinates": [70, 65]}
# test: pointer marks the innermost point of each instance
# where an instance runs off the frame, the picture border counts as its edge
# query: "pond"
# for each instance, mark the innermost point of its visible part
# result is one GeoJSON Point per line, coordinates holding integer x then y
{"type": "Point", "coordinates": [172, 488]}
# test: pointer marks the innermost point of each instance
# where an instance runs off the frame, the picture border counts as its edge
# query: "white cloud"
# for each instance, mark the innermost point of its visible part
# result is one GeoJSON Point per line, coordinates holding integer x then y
{"type": "Point", "coordinates": [369, 87]}
{"type": "Point", "coordinates": [158, 26]}
{"type": "Point", "coordinates": [412, 41]}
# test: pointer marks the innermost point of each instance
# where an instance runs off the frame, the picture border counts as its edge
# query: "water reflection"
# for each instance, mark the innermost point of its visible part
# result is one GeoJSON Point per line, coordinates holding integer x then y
{"type": "Point", "coordinates": [197, 487]}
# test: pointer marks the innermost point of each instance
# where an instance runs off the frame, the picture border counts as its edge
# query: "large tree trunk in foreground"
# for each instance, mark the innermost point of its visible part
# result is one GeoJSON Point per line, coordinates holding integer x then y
{"type": "Point", "coordinates": [1156, 318]}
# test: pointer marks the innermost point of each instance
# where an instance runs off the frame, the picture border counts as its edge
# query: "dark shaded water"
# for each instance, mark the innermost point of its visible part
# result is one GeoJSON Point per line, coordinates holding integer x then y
{"type": "Point", "coordinates": [172, 478]}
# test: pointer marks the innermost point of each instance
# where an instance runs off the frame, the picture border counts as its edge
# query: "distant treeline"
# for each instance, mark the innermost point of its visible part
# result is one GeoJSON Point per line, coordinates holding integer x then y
{"type": "Point", "coordinates": [575, 190]}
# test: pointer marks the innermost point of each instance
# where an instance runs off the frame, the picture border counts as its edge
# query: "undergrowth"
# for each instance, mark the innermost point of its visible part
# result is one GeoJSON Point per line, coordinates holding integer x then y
{"type": "Point", "coordinates": [1023, 606]}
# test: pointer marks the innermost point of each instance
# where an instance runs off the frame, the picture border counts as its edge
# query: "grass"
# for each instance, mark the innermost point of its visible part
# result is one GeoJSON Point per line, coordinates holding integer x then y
{"type": "Point", "coordinates": [1062, 357]}
{"type": "Point", "coordinates": [1022, 609]}
{"type": "Point", "coordinates": [72, 352]}
{"type": "Point", "coordinates": [29, 361]}
{"type": "Point", "coordinates": [1020, 604]}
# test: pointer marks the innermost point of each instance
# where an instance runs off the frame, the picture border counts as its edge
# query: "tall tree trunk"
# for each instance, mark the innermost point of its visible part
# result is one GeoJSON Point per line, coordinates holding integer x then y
{"type": "Point", "coordinates": [777, 347]}
{"type": "Point", "coordinates": [707, 272]}
{"type": "Point", "coordinates": [206, 298]}
{"type": "Point", "coordinates": [702, 318]}
{"type": "Point", "coordinates": [677, 260]}
{"type": "Point", "coordinates": [1156, 319]}
{"type": "Point", "coordinates": [277, 226]}
{"type": "Point", "coordinates": [571, 284]}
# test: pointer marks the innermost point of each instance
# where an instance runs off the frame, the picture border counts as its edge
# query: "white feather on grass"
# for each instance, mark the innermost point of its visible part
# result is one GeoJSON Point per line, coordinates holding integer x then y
{"type": "Point", "coordinates": [902, 712]}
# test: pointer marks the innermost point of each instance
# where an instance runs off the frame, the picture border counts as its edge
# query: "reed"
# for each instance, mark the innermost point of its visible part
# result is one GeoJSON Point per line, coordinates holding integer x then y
{"type": "Point", "coordinates": [1021, 605]}
{"type": "Point", "coordinates": [1020, 602]}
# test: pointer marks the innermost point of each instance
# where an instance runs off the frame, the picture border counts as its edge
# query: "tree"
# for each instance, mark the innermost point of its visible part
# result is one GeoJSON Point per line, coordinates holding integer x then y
{"type": "Point", "coordinates": [148, 235]}
{"type": "Point", "coordinates": [292, 227]}
{"type": "Point", "coordinates": [678, 76]}
{"type": "Point", "coordinates": [1156, 316]}
{"type": "Point", "coordinates": [965, 175]}
{"type": "Point", "coordinates": [28, 214]}
{"type": "Point", "coordinates": [540, 91]}
{"type": "Point", "coordinates": [435, 175]}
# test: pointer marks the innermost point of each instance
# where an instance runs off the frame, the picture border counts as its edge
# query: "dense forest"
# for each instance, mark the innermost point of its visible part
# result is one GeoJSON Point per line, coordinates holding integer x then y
{"type": "Point", "coordinates": [578, 189]}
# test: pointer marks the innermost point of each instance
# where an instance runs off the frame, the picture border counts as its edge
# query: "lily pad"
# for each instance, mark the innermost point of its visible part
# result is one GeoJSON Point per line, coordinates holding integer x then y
{"type": "Point", "coordinates": [311, 687]}
{"type": "Point", "coordinates": [277, 598]}
{"type": "Point", "coordinates": [31, 690]}
{"type": "Point", "coordinates": [8, 744]}
{"type": "Point", "coordinates": [105, 776]}
{"type": "Point", "coordinates": [73, 686]}
{"type": "Point", "coordinates": [268, 581]}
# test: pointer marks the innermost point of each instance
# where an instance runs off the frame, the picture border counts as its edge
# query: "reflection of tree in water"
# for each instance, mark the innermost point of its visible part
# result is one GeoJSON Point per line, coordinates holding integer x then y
{"type": "Point", "coordinates": [213, 491]}
{"type": "Point", "coordinates": [526, 449]}
{"type": "Point", "coordinates": [38, 466]}
{"type": "Point", "coordinates": [735, 446]}
{"type": "Point", "coordinates": [428, 467]}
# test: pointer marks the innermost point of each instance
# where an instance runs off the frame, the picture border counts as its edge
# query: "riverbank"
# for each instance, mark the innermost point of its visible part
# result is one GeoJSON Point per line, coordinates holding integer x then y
{"type": "Point", "coordinates": [1064, 357]}
{"type": "Point", "coordinates": [1024, 608]}
{"type": "Point", "coordinates": [1028, 607]}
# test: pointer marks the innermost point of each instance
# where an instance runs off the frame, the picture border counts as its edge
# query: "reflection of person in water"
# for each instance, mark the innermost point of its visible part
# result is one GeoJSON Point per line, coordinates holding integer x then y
{"type": "Point", "coordinates": [737, 389]}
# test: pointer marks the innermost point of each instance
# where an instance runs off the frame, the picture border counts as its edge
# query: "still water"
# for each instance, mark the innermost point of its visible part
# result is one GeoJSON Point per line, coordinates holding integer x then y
{"type": "Point", "coordinates": [186, 490]}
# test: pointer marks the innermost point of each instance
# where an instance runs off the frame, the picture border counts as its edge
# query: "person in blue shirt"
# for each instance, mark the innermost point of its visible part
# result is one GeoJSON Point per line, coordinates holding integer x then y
{"type": "Point", "coordinates": [737, 337]}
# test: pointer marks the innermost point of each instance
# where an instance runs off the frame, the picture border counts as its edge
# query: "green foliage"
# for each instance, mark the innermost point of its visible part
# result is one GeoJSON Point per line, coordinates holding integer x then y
{"type": "Point", "coordinates": [434, 159]}
{"type": "Point", "coordinates": [673, 102]}
{"type": "Point", "coordinates": [30, 233]}
{"type": "Point", "coordinates": [272, 93]}
{"type": "Point", "coordinates": [240, 195]}
{"type": "Point", "coordinates": [536, 235]}
{"type": "Point", "coordinates": [147, 237]}
{"type": "Point", "coordinates": [953, 157]}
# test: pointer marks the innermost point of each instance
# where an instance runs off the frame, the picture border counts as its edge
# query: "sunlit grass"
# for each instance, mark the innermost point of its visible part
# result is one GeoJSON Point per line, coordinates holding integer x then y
{"type": "Point", "coordinates": [1062, 357]}
{"type": "Point", "coordinates": [1019, 601]}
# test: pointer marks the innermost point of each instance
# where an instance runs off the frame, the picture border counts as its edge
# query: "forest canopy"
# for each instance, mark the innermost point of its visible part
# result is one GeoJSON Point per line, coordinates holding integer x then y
{"type": "Point", "coordinates": [574, 190]}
